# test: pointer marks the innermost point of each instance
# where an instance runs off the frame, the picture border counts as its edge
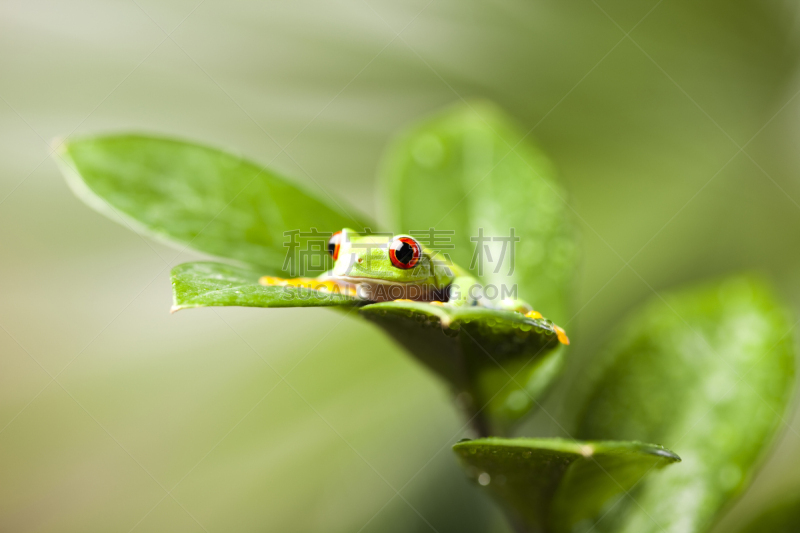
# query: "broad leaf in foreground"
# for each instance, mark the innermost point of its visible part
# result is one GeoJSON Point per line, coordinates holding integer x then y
{"type": "Point", "coordinates": [208, 284]}
{"type": "Point", "coordinates": [550, 485]}
{"type": "Point", "coordinates": [204, 198]}
{"type": "Point", "coordinates": [471, 171]}
{"type": "Point", "coordinates": [707, 372]}
{"type": "Point", "coordinates": [500, 362]}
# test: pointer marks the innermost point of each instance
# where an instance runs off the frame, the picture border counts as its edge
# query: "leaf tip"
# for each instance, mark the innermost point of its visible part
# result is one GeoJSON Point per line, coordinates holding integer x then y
{"type": "Point", "coordinates": [562, 335]}
{"type": "Point", "coordinates": [667, 454]}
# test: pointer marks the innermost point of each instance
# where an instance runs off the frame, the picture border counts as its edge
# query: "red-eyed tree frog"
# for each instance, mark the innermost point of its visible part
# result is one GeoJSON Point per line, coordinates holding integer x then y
{"type": "Point", "coordinates": [375, 268]}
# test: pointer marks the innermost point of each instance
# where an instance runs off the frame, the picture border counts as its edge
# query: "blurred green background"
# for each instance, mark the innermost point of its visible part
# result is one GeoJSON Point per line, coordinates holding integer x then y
{"type": "Point", "coordinates": [643, 106]}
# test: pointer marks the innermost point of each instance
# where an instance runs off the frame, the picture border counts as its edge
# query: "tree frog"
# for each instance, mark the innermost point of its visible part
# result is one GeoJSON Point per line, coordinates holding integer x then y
{"type": "Point", "coordinates": [375, 268]}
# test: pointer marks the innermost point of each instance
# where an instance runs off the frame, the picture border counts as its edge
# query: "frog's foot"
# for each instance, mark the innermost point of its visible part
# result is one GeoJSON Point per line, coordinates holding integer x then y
{"type": "Point", "coordinates": [562, 335]}
{"type": "Point", "coordinates": [406, 300]}
{"type": "Point", "coordinates": [317, 284]}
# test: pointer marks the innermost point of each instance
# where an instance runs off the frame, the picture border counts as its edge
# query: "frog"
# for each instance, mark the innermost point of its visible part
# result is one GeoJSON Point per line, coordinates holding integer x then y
{"type": "Point", "coordinates": [376, 268]}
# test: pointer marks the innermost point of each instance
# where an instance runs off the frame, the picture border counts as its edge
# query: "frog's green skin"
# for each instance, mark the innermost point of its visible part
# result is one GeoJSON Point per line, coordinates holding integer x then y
{"type": "Point", "coordinates": [363, 262]}
{"type": "Point", "coordinates": [363, 268]}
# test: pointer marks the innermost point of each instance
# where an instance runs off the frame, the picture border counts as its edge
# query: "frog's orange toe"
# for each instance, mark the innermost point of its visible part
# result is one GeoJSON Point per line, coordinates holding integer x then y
{"type": "Point", "coordinates": [533, 314]}
{"type": "Point", "coordinates": [322, 285]}
{"type": "Point", "coordinates": [436, 303]}
{"type": "Point", "coordinates": [404, 300]}
{"type": "Point", "coordinates": [562, 335]}
{"type": "Point", "coordinates": [270, 281]}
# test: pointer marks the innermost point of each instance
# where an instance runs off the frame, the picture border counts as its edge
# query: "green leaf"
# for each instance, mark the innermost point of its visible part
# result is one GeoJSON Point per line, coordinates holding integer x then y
{"type": "Point", "coordinates": [708, 372]}
{"type": "Point", "coordinates": [212, 201]}
{"type": "Point", "coordinates": [499, 362]}
{"type": "Point", "coordinates": [551, 485]}
{"type": "Point", "coordinates": [205, 284]}
{"type": "Point", "coordinates": [781, 518]}
{"type": "Point", "coordinates": [471, 168]}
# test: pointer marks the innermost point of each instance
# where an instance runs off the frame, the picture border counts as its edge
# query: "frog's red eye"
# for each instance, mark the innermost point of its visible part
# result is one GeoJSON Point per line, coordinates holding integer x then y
{"type": "Point", "coordinates": [404, 252]}
{"type": "Point", "coordinates": [333, 245]}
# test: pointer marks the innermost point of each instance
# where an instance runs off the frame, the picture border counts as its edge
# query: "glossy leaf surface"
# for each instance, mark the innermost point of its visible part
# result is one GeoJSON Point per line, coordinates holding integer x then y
{"type": "Point", "coordinates": [502, 360]}
{"type": "Point", "coordinates": [205, 199]}
{"type": "Point", "coordinates": [708, 372]}
{"type": "Point", "coordinates": [208, 284]}
{"type": "Point", "coordinates": [470, 171]}
{"type": "Point", "coordinates": [550, 485]}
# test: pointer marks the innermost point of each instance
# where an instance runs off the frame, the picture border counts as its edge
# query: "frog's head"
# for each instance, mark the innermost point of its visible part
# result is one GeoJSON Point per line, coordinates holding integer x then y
{"type": "Point", "coordinates": [382, 259]}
